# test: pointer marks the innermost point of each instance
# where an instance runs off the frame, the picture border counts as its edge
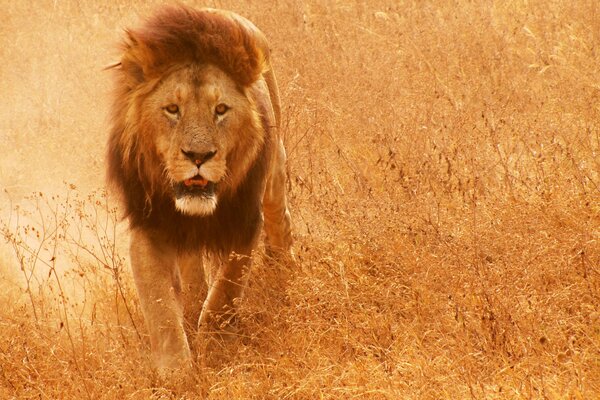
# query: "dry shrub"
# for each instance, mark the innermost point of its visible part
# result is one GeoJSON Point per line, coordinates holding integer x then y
{"type": "Point", "coordinates": [75, 302]}
{"type": "Point", "coordinates": [444, 178]}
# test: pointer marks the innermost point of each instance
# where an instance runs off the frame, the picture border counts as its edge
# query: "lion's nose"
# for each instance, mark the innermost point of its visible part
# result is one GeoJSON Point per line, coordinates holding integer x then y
{"type": "Point", "coordinates": [198, 158]}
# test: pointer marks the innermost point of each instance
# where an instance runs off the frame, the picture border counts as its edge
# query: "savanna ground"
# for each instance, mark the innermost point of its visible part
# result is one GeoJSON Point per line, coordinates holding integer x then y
{"type": "Point", "coordinates": [444, 173]}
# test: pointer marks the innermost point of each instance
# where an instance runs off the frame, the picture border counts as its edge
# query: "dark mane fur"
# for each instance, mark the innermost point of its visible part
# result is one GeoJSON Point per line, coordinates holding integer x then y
{"type": "Point", "coordinates": [178, 35]}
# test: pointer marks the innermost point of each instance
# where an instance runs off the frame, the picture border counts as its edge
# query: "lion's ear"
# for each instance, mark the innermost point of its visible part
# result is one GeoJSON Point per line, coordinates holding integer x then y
{"type": "Point", "coordinates": [136, 60]}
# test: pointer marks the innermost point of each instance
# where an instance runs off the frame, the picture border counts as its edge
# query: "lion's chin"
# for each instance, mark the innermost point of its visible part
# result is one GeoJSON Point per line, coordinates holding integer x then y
{"type": "Point", "coordinates": [195, 196]}
{"type": "Point", "coordinates": [196, 205]}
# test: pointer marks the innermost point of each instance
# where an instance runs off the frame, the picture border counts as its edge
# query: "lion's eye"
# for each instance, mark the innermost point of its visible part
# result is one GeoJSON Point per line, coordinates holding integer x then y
{"type": "Point", "coordinates": [221, 109]}
{"type": "Point", "coordinates": [172, 108]}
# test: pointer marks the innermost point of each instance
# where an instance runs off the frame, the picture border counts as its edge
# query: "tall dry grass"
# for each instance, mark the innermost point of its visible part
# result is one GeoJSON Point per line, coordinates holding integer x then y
{"type": "Point", "coordinates": [444, 172]}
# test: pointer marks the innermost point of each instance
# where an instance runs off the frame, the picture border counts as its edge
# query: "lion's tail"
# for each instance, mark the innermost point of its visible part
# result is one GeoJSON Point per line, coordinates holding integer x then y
{"type": "Point", "coordinates": [269, 76]}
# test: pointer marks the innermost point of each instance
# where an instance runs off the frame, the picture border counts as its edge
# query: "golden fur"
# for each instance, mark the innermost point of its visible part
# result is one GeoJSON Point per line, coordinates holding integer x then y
{"type": "Point", "coordinates": [195, 155]}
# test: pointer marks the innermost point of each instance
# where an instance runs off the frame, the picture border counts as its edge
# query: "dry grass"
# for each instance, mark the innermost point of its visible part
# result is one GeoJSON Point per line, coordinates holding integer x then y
{"type": "Point", "coordinates": [444, 165]}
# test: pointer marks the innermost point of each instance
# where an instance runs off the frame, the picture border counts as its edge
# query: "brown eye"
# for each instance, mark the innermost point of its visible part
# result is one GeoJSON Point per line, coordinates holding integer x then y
{"type": "Point", "coordinates": [172, 108]}
{"type": "Point", "coordinates": [221, 109]}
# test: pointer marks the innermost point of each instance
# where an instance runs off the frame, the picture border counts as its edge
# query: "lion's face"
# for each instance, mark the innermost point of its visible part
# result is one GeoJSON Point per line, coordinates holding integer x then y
{"type": "Point", "coordinates": [205, 132]}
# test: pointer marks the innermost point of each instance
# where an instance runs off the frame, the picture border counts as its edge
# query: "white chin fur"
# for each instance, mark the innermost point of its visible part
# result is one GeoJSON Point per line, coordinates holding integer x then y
{"type": "Point", "coordinates": [196, 205]}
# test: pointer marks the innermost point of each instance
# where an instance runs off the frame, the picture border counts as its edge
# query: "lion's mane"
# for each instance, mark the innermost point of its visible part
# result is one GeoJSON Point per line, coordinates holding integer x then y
{"type": "Point", "coordinates": [174, 37]}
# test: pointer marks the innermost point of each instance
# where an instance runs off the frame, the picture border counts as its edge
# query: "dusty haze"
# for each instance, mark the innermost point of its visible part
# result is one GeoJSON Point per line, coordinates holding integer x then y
{"type": "Point", "coordinates": [444, 172]}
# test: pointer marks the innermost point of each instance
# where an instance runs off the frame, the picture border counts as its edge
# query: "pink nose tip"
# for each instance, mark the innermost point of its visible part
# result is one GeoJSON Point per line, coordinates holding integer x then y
{"type": "Point", "coordinates": [198, 158]}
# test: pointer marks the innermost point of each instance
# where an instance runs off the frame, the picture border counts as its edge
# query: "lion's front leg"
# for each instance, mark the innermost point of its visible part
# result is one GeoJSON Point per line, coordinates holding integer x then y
{"type": "Point", "coordinates": [226, 283]}
{"type": "Point", "coordinates": [193, 288]}
{"type": "Point", "coordinates": [158, 285]}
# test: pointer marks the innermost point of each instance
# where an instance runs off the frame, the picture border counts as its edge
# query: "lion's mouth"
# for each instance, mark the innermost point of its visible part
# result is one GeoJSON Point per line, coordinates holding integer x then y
{"type": "Point", "coordinates": [195, 186]}
{"type": "Point", "coordinates": [196, 181]}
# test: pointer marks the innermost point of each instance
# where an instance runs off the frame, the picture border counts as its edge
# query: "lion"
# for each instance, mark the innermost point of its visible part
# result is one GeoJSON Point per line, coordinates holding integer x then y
{"type": "Point", "coordinates": [195, 155]}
